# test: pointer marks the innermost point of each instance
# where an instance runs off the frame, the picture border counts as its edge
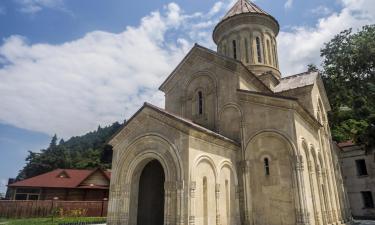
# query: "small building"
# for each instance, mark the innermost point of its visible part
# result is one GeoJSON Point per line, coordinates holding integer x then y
{"type": "Point", "coordinates": [358, 168]}
{"type": "Point", "coordinates": [63, 184]}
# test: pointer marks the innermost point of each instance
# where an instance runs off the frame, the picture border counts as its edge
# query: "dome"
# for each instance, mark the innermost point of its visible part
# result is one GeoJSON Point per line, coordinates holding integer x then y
{"type": "Point", "coordinates": [248, 33]}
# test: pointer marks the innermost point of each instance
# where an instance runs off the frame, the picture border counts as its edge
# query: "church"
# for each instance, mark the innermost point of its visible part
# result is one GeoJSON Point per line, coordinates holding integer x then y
{"type": "Point", "coordinates": [237, 142]}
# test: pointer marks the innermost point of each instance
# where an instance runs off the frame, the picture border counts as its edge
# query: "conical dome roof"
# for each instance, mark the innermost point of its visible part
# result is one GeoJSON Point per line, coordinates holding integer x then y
{"type": "Point", "coordinates": [244, 6]}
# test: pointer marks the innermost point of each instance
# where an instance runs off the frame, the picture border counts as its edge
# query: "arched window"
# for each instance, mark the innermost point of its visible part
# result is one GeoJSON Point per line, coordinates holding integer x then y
{"type": "Point", "coordinates": [269, 52]}
{"type": "Point", "coordinates": [205, 204]}
{"type": "Point", "coordinates": [259, 54]}
{"type": "Point", "coordinates": [246, 50]}
{"type": "Point", "coordinates": [234, 49]}
{"type": "Point", "coordinates": [266, 166]}
{"type": "Point", "coordinates": [200, 103]}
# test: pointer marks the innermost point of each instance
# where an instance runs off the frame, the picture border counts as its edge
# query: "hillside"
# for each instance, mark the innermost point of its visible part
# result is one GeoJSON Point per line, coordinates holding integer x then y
{"type": "Point", "coordinates": [81, 152]}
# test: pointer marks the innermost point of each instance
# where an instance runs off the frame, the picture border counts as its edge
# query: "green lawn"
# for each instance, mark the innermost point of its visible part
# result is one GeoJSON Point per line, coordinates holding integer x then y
{"type": "Point", "coordinates": [48, 221]}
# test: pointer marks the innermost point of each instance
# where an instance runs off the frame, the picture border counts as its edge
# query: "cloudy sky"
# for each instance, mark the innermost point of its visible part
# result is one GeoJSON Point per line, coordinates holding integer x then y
{"type": "Point", "coordinates": [67, 66]}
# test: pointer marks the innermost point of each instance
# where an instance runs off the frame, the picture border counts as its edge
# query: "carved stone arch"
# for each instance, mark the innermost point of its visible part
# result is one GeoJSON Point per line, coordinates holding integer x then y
{"type": "Point", "coordinates": [204, 182]}
{"type": "Point", "coordinates": [228, 164]}
{"type": "Point", "coordinates": [198, 74]}
{"type": "Point", "coordinates": [293, 149]}
{"type": "Point", "coordinates": [154, 141]}
{"type": "Point", "coordinates": [279, 175]}
{"type": "Point", "coordinates": [230, 121]}
{"type": "Point", "coordinates": [133, 159]}
{"type": "Point", "coordinates": [228, 202]}
{"type": "Point", "coordinates": [207, 83]}
{"type": "Point", "coordinates": [200, 159]}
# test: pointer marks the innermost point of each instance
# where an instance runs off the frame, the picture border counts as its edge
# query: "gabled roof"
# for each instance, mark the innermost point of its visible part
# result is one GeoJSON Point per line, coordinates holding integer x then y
{"type": "Point", "coordinates": [244, 6]}
{"type": "Point", "coordinates": [72, 178]}
{"type": "Point", "coordinates": [177, 118]}
{"type": "Point", "coordinates": [296, 81]}
{"type": "Point", "coordinates": [196, 48]}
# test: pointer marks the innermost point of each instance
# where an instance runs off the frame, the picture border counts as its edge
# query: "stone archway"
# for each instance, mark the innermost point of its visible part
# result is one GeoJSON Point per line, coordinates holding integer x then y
{"type": "Point", "coordinates": [151, 195]}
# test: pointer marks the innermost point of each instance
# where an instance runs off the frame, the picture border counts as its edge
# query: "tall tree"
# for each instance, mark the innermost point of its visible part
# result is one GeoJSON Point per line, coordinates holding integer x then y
{"type": "Point", "coordinates": [349, 77]}
{"type": "Point", "coordinates": [84, 152]}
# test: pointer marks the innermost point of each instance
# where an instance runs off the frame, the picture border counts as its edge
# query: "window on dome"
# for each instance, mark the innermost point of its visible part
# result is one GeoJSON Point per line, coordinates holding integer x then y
{"type": "Point", "coordinates": [234, 49]}
{"type": "Point", "coordinates": [259, 53]}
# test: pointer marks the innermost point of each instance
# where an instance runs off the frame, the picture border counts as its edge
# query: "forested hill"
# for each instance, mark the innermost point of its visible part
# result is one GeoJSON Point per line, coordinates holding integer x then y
{"type": "Point", "coordinates": [81, 152]}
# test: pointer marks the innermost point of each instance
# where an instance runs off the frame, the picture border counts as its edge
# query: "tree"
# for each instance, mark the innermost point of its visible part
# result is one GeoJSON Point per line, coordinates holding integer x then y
{"type": "Point", "coordinates": [349, 77]}
{"type": "Point", "coordinates": [84, 152]}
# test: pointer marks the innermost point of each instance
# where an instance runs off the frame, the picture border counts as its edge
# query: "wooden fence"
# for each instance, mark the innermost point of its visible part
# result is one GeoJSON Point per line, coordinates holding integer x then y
{"type": "Point", "coordinates": [44, 208]}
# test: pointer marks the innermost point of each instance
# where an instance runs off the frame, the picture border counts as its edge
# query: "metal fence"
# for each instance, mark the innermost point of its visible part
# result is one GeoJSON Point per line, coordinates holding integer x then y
{"type": "Point", "coordinates": [43, 208]}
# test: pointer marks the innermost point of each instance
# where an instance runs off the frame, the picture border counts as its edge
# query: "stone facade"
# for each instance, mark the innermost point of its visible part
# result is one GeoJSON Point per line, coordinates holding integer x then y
{"type": "Point", "coordinates": [237, 143]}
{"type": "Point", "coordinates": [358, 169]}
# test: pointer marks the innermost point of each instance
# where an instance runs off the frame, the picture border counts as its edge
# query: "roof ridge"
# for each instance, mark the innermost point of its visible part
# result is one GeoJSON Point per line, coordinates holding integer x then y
{"type": "Point", "coordinates": [298, 75]}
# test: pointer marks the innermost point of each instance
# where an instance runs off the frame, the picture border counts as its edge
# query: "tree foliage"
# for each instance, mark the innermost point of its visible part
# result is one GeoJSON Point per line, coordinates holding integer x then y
{"type": "Point", "coordinates": [82, 152]}
{"type": "Point", "coordinates": [349, 77]}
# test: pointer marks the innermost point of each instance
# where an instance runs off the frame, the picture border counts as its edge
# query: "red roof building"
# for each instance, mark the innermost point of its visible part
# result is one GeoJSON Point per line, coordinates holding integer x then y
{"type": "Point", "coordinates": [63, 184]}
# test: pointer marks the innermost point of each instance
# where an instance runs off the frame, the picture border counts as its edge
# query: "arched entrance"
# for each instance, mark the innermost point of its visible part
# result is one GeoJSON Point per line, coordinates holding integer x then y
{"type": "Point", "coordinates": [151, 195]}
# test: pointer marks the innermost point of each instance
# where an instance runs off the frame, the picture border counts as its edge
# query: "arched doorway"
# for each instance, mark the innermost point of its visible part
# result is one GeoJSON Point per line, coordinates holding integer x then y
{"type": "Point", "coordinates": [151, 195]}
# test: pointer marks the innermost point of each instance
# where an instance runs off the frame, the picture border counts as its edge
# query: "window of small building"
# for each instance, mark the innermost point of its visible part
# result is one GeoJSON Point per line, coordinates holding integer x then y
{"type": "Point", "coordinates": [234, 49]}
{"type": "Point", "coordinates": [266, 167]}
{"type": "Point", "coordinates": [259, 53]}
{"type": "Point", "coordinates": [368, 201]}
{"type": "Point", "coordinates": [27, 194]}
{"type": "Point", "coordinates": [361, 167]}
{"type": "Point", "coordinates": [21, 197]}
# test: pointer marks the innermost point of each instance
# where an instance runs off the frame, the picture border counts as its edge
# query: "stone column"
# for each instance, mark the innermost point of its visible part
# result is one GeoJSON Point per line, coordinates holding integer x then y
{"type": "Point", "coordinates": [180, 202]}
{"type": "Point", "coordinates": [193, 186]}
{"type": "Point", "coordinates": [245, 199]}
{"type": "Point", "coordinates": [322, 200]}
{"type": "Point", "coordinates": [302, 212]}
{"type": "Point", "coordinates": [168, 189]}
{"type": "Point", "coordinates": [217, 197]}
{"type": "Point", "coordinates": [311, 178]}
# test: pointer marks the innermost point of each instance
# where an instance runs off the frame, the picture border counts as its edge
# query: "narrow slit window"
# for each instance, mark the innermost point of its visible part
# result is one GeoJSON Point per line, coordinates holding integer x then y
{"type": "Point", "coordinates": [269, 52]}
{"type": "Point", "coordinates": [234, 49]}
{"type": "Point", "coordinates": [246, 51]}
{"type": "Point", "coordinates": [266, 166]}
{"type": "Point", "coordinates": [259, 54]}
{"type": "Point", "coordinates": [200, 103]}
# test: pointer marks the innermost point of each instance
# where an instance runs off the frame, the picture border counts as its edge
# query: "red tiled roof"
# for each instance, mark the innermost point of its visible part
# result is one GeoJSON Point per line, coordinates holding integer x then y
{"type": "Point", "coordinates": [52, 180]}
{"type": "Point", "coordinates": [346, 144]}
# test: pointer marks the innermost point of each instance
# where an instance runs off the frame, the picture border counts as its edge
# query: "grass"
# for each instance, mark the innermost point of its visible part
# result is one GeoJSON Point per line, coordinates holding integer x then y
{"type": "Point", "coordinates": [48, 221]}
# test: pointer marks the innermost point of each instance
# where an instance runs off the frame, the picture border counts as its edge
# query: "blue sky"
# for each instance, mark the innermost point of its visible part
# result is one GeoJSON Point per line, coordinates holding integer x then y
{"type": "Point", "coordinates": [67, 66]}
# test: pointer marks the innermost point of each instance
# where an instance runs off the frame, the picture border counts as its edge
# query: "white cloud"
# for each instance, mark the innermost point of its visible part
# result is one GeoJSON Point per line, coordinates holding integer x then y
{"type": "Point", "coordinates": [103, 77]}
{"type": "Point", "coordinates": [321, 11]}
{"type": "Point", "coordinates": [34, 6]}
{"type": "Point", "coordinates": [288, 4]}
{"type": "Point", "coordinates": [302, 45]}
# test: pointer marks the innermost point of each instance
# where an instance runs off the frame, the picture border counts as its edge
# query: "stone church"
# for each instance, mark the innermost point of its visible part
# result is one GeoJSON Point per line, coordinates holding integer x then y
{"type": "Point", "coordinates": [236, 144]}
